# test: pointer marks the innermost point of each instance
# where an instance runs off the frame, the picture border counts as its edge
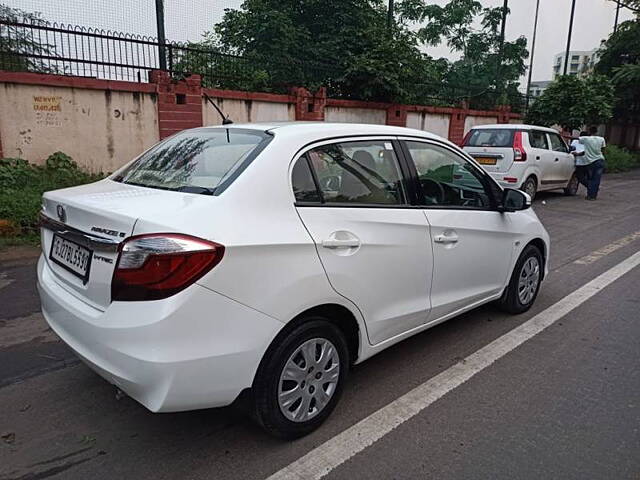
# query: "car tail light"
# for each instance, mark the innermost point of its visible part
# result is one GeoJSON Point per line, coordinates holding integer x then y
{"type": "Point", "coordinates": [155, 266]}
{"type": "Point", "coordinates": [510, 179]}
{"type": "Point", "coordinates": [519, 154]}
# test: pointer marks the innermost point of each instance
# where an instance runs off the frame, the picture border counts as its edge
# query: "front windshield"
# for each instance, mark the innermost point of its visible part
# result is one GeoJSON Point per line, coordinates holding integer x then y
{"type": "Point", "coordinates": [193, 161]}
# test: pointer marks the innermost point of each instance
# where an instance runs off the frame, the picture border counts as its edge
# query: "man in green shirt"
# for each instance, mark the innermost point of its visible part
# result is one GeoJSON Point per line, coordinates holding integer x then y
{"type": "Point", "coordinates": [593, 159]}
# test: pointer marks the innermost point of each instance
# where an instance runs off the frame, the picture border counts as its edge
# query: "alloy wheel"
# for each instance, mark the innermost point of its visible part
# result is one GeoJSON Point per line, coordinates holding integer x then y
{"type": "Point", "coordinates": [308, 380]}
{"type": "Point", "coordinates": [530, 188]}
{"type": "Point", "coordinates": [528, 280]}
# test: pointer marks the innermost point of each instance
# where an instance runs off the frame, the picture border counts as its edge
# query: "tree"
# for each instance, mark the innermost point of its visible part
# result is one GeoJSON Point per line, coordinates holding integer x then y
{"type": "Point", "coordinates": [572, 102]}
{"type": "Point", "coordinates": [620, 61]}
{"type": "Point", "coordinates": [356, 54]}
{"type": "Point", "coordinates": [18, 45]}
{"type": "Point", "coordinates": [292, 42]}
{"type": "Point", "coordinates": [488, 73]}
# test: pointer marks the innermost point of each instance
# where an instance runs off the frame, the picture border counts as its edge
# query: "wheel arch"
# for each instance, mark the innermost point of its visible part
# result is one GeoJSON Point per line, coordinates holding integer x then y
{"type": "Point", "coordinates": [528, 175]}
{"type": "Point", "coordinates": [339, 315]}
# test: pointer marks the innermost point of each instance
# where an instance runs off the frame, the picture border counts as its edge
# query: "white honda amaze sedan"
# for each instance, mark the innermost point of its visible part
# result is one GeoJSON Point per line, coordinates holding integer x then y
{"type": "Point", "coordinates": [270, 258]}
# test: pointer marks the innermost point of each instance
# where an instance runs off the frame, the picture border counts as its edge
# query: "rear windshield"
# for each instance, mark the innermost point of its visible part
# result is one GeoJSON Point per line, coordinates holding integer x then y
{"type": "Point", "coordinates": [490, 137]}
{"type": "Point", "coordinates": [201, 161]}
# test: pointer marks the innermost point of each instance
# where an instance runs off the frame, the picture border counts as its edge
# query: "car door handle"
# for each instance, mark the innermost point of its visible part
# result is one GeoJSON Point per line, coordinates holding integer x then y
{"type": "Point", "coordinates": [335, 243]}
{"type": "Point", "coordinates": [451, 238]}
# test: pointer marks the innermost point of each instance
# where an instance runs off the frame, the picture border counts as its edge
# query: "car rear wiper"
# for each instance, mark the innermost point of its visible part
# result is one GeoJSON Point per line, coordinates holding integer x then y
{"type": "Point", "coordinates": [138, 184]}
{"type": "Point", "coordinates": [195, 189]}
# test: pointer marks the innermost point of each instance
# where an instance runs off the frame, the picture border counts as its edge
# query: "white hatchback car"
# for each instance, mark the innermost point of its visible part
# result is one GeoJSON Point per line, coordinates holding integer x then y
{"type": "Point", "coordinates": [523, 156]}
{"type": "Point", "coordinates": [270, 258]}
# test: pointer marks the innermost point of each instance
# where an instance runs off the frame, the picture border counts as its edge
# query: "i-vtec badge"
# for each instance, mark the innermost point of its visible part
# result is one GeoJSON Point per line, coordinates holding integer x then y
{"type": "Point", "coordinates": [106, 231]}
{"type": "Point", "coordinates": [100, 258]}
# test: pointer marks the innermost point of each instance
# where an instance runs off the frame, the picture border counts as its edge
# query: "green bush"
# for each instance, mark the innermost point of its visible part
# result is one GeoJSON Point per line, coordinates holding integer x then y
{"type": "Point", "coordinates": [620, 159]}
{"type": "Point", "coordinates": [22, 185]}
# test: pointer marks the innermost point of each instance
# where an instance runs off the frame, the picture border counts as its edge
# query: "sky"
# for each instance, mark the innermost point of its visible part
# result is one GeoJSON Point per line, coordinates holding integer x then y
{"type": "Point", "coordinates": [187, 19]}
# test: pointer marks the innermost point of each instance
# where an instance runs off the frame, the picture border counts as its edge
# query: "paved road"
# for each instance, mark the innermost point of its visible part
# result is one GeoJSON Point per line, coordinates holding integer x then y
{"type": "Point", "coordinates": [565, 404]}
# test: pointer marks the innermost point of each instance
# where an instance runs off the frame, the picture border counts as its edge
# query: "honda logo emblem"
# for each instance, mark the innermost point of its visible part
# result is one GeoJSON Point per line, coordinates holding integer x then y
{"type": "Point", "coordinates": [62, 215]}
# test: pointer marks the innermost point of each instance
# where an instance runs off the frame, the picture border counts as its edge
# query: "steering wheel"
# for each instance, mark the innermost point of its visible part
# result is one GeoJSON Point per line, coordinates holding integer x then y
{"type": "Point", "coordinates": [433, 190]}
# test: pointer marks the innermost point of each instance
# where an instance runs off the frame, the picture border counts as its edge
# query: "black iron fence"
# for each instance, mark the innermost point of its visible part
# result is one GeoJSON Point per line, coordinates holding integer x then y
{"type": "Point", "coordinates": [40, 46]}
{"type": "Point", "coordinates": [45, 47]}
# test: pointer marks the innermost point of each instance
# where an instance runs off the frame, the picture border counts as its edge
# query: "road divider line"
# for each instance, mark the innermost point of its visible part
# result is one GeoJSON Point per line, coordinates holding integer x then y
{"type": "Point", "coordinates": [323, 459]}
{"type": "Point", "coordinates": [607, 249]}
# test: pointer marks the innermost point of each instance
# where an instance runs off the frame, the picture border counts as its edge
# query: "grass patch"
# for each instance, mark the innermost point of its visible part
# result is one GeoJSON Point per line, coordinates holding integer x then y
{"type": "Point", "coordinates": [619, 159]}
{"type": "Point", "coordinates": [21, 187]}
{"type": "Point", "coordinates": [31, 240]}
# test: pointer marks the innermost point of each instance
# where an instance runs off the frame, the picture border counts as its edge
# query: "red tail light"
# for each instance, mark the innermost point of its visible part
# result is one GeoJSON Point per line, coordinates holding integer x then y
{"type": "Point", "coordinates": [519, 154]}
{"type": "Point", "coordinates": [155, 266]}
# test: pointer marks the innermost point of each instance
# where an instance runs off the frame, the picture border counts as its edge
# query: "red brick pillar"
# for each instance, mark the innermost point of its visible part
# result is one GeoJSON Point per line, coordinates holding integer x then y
{"type": "Point", "coordinates": [179, 102]}
{"type": "Point", "coordinates": [397, 115]}
{"type": "Point", "coordinates": [504, 113]}
{"type": "Point", "coordinates": [456, 125]}
{"type": "Point", "coordinates": [310, 107]}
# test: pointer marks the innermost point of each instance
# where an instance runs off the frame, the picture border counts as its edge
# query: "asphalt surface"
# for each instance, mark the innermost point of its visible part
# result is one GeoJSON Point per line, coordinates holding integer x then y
{"type": "Point", "coordinates": [565, 404]}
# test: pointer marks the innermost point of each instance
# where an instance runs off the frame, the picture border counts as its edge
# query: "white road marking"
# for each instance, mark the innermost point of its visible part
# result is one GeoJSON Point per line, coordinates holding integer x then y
{"type": "Point", "coordinates": [607, 249]}
{"type": "Point", "coordinates": [327, 456]}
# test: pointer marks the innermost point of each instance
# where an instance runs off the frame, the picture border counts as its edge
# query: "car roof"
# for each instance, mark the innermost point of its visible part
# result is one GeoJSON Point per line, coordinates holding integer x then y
{"type": "Point", "coordinates": [514, 126]}
{"type": "Point", "coordinates": [330, 129]}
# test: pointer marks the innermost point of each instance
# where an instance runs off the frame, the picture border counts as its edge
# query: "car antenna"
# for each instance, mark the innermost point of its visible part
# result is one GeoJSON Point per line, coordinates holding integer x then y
{"type": "Point", "coordinates": [225, 119]}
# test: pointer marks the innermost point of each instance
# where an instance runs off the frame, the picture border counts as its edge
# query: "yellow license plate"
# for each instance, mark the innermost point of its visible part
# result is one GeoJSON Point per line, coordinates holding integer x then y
{"type": "Point", "coordinates": [486, 160]}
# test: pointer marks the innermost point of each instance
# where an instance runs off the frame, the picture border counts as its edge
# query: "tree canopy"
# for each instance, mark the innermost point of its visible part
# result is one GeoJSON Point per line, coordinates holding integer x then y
{"type": "Point", "coordinates": [356, 54]}
{"type": "Point", "coordinates": [18, 46]}
{"type": "Point", "coordinates": [620, 60]}
{"type": "Point", "coordinates": [572, 102]}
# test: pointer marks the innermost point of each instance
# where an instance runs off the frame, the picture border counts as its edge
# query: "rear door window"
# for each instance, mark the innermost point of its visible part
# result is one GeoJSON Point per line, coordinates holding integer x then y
{"type": "Point", "coordinates": [490, 137]}
{"type": "Point", "coordinates": [195, 161]}
{"type": "Point", "coordinates": [359, 172]}
{"type": "Point", "coordinates": [538, 139]}
{"type": "Point", "coordinates": [304, 187]}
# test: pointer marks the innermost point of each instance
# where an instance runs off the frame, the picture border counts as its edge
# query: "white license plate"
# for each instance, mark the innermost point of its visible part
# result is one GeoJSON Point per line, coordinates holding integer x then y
{"type": "Point", "coordinates": [71, 256]}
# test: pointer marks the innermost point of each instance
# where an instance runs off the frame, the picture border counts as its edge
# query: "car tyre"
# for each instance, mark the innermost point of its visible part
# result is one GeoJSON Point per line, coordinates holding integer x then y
{"type": "Point", "coordinates": [572, 187]}
{"type": "Point", "coordinates": [525, 281]}
{"type": "Point", "coordinates": [530, 186]}
{"type": "Point", "coordinates": [277, 376]}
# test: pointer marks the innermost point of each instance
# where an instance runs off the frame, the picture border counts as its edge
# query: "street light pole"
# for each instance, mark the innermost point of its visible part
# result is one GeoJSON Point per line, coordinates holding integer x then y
{"type": "Point", "coordinates": [505, 8]}
{"type": "Point", "coordinates": [533, 48]}
{"type": "Point", "coordinates": [566, 53]}
{"type": "Point", "coordinates": [161, 36]}
{"type": "Point", "coordinates": [390, 15]}
{"type": "Point", "coordinates": [615, 25]}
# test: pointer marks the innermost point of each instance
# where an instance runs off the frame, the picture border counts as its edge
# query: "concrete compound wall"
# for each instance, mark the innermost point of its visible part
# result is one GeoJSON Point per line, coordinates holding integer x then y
{"type": "Point", "coordinates": [355, 115]}
{"type": "Point", "coordinates": [99, 129]}
{"type": "Point", "coordinates": [103, 124]}
{"type": "Point", "coordinates": [437, 123]}
{"type": "Point", "coordinates": [243, 111]}
{"type": "Point", "coordinates": [474, 120]}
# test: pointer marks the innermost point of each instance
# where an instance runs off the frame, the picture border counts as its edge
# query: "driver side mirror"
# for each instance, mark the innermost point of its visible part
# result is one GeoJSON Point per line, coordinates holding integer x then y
{"type": "Point", "coordinates": [514, 200]}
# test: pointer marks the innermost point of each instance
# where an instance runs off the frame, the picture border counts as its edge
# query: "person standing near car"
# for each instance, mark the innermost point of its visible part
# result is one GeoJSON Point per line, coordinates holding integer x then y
{"type": "Point", "coordinates": [594, 146]}
{"type": "Point", "coordinates": [577, 149]}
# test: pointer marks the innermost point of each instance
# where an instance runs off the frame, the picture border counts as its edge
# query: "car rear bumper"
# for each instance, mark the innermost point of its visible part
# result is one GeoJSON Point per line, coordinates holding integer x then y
{"type": "Point", "coordinates": [501, 177]}
{"type": "Point", "coordinates": [196, 349]}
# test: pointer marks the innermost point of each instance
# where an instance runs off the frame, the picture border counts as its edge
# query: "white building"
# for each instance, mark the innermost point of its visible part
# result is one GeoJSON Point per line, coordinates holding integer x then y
{"type": "Point", "coordinates": [536, 88]}
{"type": "Point", "coordinates": [580, 62]}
